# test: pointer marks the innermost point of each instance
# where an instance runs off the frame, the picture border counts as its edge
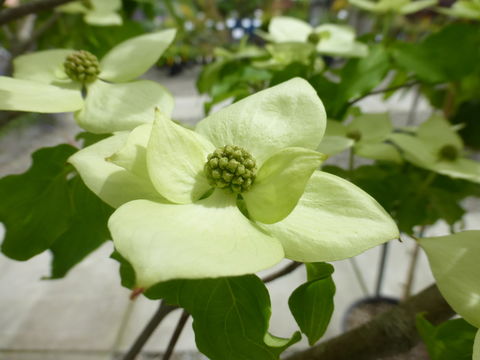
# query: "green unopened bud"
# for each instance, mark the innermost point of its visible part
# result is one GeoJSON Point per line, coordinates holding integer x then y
{"type": "Point", "coordinates": [231, 167]}
{"type": "Point", "coordinates": [313, 38]}
{"type": "Point", "coordinates": [88, 4]}
{"type": "Point", "coordinates": [354, 135]}
{"type": "Point", "coordinates": [82, 66]}
{"type": "Point", "coordinates": [448, 153]}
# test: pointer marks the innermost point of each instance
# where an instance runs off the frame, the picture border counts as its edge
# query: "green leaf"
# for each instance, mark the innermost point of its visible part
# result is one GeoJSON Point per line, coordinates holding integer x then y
{"type": "Point", "coordinates": [133, 57]}
{"type": "Point", "coordinates": [476, 347]}
{"type": "Point", "coordinates": [26, 95]}
{"type": "Point", "coordinates": [230, 316]}
{"type": "Point", "coordinates": [433, 60]}
{"type": "Point", "coordinates": [312, 303]}
{"type": "Point", "coordinates": [127, 273]}
{"type": "Point", "coordinates": [358, 77]}
{"type": "Point", "coordinates": [35, 206]}
{"type": "Point", "coordinates": [446, 205]}
{"type": "Point", "coordinates": [86, 232]}
{"type": "Point", "coordinates": [452, 339]}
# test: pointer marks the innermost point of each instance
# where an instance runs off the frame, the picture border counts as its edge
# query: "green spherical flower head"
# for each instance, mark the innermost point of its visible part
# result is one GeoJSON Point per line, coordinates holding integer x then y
{"type": "Point", "coordinates": [354, 135]}
{"type": "Point", "coordinates": [232, 168]}
{"type": "Point", "coordinates": [448, 152]}
{"type": "Point", "coordinates": [87, 3]}
{"type": "Point", "coordinates": [313, 38]}
{"type": "Point", "coordinates": [82, 66]}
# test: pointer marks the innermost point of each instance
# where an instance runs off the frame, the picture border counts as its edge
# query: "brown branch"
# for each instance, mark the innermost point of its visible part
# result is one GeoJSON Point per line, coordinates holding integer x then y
{"type": "Point", "coordinates": [393, 332]}
{"type": "Point", "coordinates": [163, 310]}
{"type": "Point", "coordinates": [282, 272]}
{"type": "Point", "coordinates": [176, 335]}
{"type": "Point", "coordinates": [33, 7]}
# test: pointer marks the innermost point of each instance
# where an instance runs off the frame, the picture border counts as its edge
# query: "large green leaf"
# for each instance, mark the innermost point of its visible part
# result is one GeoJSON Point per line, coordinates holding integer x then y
{"type": "Point", "coordinates": [358, 77]}
{"type": "Point", "coordinates": [86, 232]}
{"type": "Point", "coordinates": [451, 340]}
{"type": "Point", "coordinates": [230, 316]}
{"type": "Point", "coordinates": [433, 59]}
{"type": "Point", "coordinates": [312, 303]}
{"type": "Point", "coordinates": [35, 206]}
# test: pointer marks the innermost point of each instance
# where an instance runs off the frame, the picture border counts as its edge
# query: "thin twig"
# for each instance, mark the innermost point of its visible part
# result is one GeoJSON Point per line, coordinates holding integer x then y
{"type": "Point", "coordinates": [25, 46]}
{"type": "Point", "coordinates": [163, 310]}
{"type": "Point", "coordinates": [183, 319]}
{"type": "Point", "coordinates": [176, 335]}
{"type": "Point", "coordinates": [381, 91]}
{"type": "Point", "coordinates": [33, 7]}
{"type": "Point", "coordinates": [381, 270]}
{"type": "Point", "coordinates": [411, 272]}
{"type": "Point", "coordinates": [359, 276]}
{"type": "Point", "coordinates": [160, 315]}
{"type": "Point", "coordinates": [413, 263]}
{"type": "Point", "coordinates": [282, 272]}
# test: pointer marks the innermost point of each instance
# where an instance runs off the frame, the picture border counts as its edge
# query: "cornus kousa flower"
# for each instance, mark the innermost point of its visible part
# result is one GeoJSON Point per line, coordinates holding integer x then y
{"type": "Point", "coordinates": [95, 12]}
{"type": "Point", "coordinates": [233, 197]}
{"type": "Point", "coordinates": [52, 81]}
{"type": "Point", "coordinates": [366, 134]}
{"type": "Point", "coordinates": [437, 147]}
{"type": "Point", "coordinates": [329, 39]}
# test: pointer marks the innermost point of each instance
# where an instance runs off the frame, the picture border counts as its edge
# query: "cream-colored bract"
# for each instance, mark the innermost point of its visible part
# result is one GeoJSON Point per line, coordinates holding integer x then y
{"type": "Point", "coordinates": [466, 9]}
{"type": "Point", "coordinates": [335, 40]}
{"type": "Point", "coordinates": [99, 12]}
{"type": "Point", "coordinates": [191, 232]}
{"type": "Point", "coordinates": [367, 134]}
{"type": "Point", "coordinates": [456, 269]}
{"type": "Point", "coordinates": [423, 149]}
{"type": "Point", "coordinates": [455, 266]}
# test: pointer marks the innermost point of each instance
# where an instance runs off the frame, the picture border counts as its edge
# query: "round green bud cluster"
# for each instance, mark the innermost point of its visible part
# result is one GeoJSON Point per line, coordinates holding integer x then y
{"type": "Point", "coordinates": [232, 168]}
{"type": "Point", "coordinates": [313, 38]}
{"type": "Point", "coordinates": [82, 66]}
{"type": "Point", "coordinates": [354, 135]}
{"type": "Point", "coordinates": [88, 4]}
{"type": "Point", "coordinates": [448, 152]}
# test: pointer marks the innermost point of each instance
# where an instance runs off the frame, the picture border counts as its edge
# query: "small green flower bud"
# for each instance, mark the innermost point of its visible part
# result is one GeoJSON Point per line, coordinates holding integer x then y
{"type": "Point", "coordinates": [448, 153]}
{"type": "Point", "coordinates": [82, 66]}
{"type": "Point", "coordinates": [354, 135]}
{"type": "Point", "coordinates": [232, 168]}
{"type": "Point", "coordinates": [313, 38]}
